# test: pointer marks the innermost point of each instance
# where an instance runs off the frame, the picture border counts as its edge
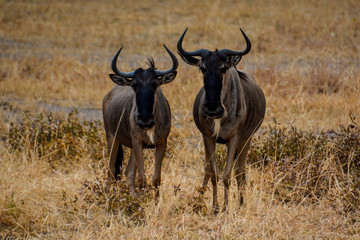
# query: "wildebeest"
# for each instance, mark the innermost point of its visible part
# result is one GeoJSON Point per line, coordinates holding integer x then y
{"type": "Point", "coordinates": [137, 115]}
{"type": "Point", "coordinates": [228, 109]}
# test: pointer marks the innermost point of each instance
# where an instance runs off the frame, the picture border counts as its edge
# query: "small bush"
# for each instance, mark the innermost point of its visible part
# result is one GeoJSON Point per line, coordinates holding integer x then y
{"type": "Point", "coordinates": [310, 165]}
{"type": "Point", "coordinates": [57, 138]}
{"type": "Point", "coordinates": [115, 198]}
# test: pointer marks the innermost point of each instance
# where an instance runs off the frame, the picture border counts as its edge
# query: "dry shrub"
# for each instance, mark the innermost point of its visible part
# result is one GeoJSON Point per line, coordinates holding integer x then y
{"type": "Point", "coordinates": [12, 209]}
{"type": "Point", "coordinates": [309, 166]}
{"type": "Point", "coordinates": [115, 198]}
{"type": "Point", "coordinates": [56, 139]}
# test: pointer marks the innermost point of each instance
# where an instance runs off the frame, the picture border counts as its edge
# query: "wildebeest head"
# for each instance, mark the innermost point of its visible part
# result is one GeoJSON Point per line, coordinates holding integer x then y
{"type": "Point", "coordinates": [213, 66]}
{"type": "Point", "coordinates": [145, 83]}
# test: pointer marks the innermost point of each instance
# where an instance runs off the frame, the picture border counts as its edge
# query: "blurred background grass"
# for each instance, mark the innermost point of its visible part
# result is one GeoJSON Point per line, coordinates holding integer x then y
{"type": "Point", "coordinates": [303, 51]}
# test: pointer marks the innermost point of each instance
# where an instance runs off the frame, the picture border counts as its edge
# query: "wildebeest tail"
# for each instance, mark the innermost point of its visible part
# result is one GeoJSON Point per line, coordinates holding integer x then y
{"type": "Point", "coordinates": [119, 162]}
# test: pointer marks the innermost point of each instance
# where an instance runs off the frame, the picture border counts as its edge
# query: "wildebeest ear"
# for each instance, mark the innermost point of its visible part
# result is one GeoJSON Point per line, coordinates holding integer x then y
{"type": "Point", "coordinates": [233, 60]}
{"type": "Point", "coordinates": [119, 80]}
{"type": "Point", "coordinates": [167, 77]}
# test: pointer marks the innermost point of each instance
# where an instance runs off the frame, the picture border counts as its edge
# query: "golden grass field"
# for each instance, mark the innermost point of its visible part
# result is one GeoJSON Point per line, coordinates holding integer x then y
{"type": "Point", "coordinates": [303, 170]}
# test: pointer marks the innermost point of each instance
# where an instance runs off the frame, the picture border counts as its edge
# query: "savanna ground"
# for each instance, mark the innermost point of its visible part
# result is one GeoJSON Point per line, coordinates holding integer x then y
{"type": "Point", "coordinates": [303, 171]}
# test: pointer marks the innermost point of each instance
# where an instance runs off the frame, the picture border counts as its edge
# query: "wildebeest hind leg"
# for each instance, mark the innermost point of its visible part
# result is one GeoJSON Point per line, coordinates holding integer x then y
{"type": "Point", "coordinates": [113, 146]}
{"type": "Point", "coordinates": [242, 150]}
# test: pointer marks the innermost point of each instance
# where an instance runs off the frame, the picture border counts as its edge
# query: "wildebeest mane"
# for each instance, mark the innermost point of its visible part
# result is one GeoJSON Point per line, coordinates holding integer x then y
{"type": "Point", "coordinates": [151, 63]}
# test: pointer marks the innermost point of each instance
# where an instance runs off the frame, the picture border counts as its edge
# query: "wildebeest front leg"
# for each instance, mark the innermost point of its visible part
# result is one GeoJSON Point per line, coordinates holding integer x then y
{"type": "Point", "coordinates": [138, 152]}
{"type": "Point", "coordinates": [130, 172]}
{"type": "Point", "coordinates": [232, 145]}
{"type": "Point", "coordinates": [159, 156]}
{"type": "Point", "coordinates": [242, 150]}
{"type": "Point", "coordinates": [211, 170]}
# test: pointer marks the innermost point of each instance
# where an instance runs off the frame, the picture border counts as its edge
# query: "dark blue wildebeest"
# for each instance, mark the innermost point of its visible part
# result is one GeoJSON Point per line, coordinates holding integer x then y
{"type": "Point", "coordinates": [137, 115]}
{"type": "Point", "coordinates": [228, 109]}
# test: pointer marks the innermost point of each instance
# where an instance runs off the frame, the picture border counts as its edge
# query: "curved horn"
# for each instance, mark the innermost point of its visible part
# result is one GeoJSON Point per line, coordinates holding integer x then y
{"type": "Point", "coordinates": [173, 68]}
{"type": "Point", "coordinates": [228, 52]}
{"type": "Point", "coordinates": [116, 70]}
{"type": "Point", "coordinates": [188, 56]}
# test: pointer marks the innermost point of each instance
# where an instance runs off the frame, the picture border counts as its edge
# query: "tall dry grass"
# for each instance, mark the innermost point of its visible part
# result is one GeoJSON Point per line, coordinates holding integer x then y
{"type": "Point", "coordinates": [301, 176]}
{"type": "Point", "coordinates": [300, 184]}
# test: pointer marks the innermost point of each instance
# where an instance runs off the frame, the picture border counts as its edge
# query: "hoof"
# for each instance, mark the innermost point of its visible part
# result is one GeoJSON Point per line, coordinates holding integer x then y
{"type": "Point", "coordinates": [224, 209]}
{"type": "Point", "coordinates": [133, 194]}
{"type": "Point", "coordinates": [141, 183]}
{"type": "Point", "coordinates": [241, 201]}
{"type": "Point", "coordinates": [215, 210]}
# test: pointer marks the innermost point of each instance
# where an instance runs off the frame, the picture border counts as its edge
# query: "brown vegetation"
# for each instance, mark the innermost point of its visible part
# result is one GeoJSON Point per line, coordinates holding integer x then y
{"type": "Point", "coordinates": [303, 168]}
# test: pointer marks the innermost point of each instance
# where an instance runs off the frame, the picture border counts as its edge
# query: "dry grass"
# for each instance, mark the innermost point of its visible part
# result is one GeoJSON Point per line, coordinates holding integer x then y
{"type": "Point", "coordinates": [305, 56]}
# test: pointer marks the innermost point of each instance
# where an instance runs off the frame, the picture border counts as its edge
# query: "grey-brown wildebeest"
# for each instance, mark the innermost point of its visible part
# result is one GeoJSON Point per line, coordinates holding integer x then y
{"type": "Point", "coordinates": [137, 115]}
{"type": "Point", "coordinates": [228, 109]}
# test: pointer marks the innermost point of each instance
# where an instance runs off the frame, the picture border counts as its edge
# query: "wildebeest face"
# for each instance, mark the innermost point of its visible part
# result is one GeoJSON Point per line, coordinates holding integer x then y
{"type": "Point", "coordinates": [213, 66]}
{"type": "Point", "coordinates": [144, 83]}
